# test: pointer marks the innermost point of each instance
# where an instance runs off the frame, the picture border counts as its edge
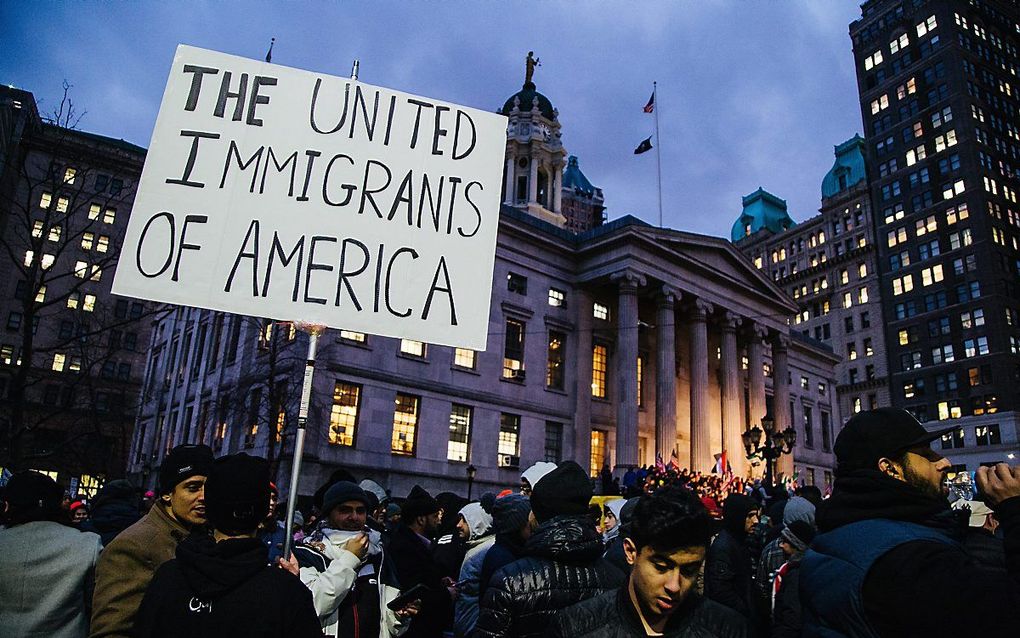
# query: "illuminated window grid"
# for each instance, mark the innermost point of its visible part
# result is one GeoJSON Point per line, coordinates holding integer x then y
{"type": "Point", "coordinates": [460, 433]}
{"type": "Point", "coordinates": [509, 434]}
{"type": "Point", "coordinates": [464, 358]}
{"type": "Point", "coordinates": [357, 337]}
{"type": "Point", "coordinates": [598, 451]}
{"type": "Point", "coordinates": [405, 422]}
{"type": "Point", "coordinates": [554, 367]}
{"type": "Point", "coordinates": [413, 348]}
{"type": "Point", "coordinates": [600, 311]}
{"type": "Point", "coordinates": [599, 363]}
{"type": "Point", "coordinates": [640, 381]}
{"type": "Point", "coordinates": [343, 418]}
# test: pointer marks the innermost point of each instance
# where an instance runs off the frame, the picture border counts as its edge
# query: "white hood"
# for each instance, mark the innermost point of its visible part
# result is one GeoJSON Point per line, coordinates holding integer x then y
{"type": "Point", "coordinates": [479, 521]}
{"type": "Point", "coordinates": [534, 473]}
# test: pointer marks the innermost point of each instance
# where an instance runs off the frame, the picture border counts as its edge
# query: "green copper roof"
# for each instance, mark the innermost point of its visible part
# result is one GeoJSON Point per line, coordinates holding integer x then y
{"type": "Point", "coordinates": [574, 179]}
{"type": "Point", "coordinates": [762, 209]}
{"type": "Point", "coordinates": [847, 170]}
{"type": "Point", "coordinates": [528, 93]}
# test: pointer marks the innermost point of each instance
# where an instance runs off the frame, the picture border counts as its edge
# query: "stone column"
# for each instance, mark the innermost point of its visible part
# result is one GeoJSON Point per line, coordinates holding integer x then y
{"type": "Point", "coordinates": [756, 374]}
{"type": "Point", "coordinates": [582, 384]}
{"type": "Point", "coordinates": [557, 194]}
{"type": "Point", "coordinates": [701, 452]}
{"type": "Point", "coordinates": [731, 391]}
{"type": "Point", "coordinates": [626, 369]}
{"type": "Point", "coordinates": [533, 181]}
{"type": "Point", "coordinates": [665, 372]}
{"type": "Point", "coordinates": [781, 393]}
{"type": "Point", "coordinates": [510, 185]}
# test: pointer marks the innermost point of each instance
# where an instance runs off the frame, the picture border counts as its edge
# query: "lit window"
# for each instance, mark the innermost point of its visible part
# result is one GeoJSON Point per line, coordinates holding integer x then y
{"type": "Point", "coordinates": [862, 270]}
{"type": "Point", "coordinates": [513, 350]}
{"type": "Point", "coordinates": [37, 228]}
{"type": "Point", "coordinates": [599, 365]}
{"type": "Point", "coordinates": [903, 284]}
{"type": "Point", "coordinates": [69, 174]}
{"type": "Point", "coordinates": [87, 240]}
{"type": "Point", "coordinates": [464, 358]}
{"type": "Point", "coordinates": [97, 273]}
{"type": "Point", "coordinates": [29, 256]}
{"type": "Point", "coordinates": [926, 26]}
{"type": "Point", "coordinates": [58, 361]}
{"type": "Point", "coordinates": [102, 244]}
{"type": "Point", "coordinates": [343, 418]}
{"type": "Point", "coordinates": [94, 211]}
{"type": "Point", "coordinates": [405, 422]}
{"type": "Point", "coordinates": [72, 300]}
{"type": "Point", "coordinates": [62, 203]}
{"type": "Point", "coordinates": [862, 295]}
{"type": "Point", "coordinates": [109, 215]}
{"type": "Point", "coordinates": [413, 348]}
{"type": "Point", "coordinates": [348, 335]}
{"type": "Point", "coordinates": [80, 269]}
{"type": "Point", "coordinates": [40, 296]}
{"type": "Point", "coordinates": [460, 433]}
{"type": "Point", "coordinates": [599, 441]}
{"type": "Point", "coordinates": [508, 448]}
{"type": "Point", "coordinates": [89, 304]}
{"type": "Point", "coordinates": [931, 275]}
{"type": "Point", "coordinates": [47, 261]}
{"type": "Point", "coordinates": [45, 199]}
{"type": "Point", "coordinates": [557, 298]}
{"type": "Point", "coordinates": [600, 312]}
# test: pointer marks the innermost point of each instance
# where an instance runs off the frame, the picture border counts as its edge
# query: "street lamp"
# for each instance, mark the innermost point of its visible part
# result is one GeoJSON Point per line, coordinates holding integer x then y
{"type": "Point", "coordinates": [471, 470]}
{"type": "Point", "coordinates": [776, 443]}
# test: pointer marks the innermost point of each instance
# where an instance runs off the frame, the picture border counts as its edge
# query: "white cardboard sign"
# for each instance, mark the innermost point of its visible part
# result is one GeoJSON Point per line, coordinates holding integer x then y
{"type": "Point", "coordinates": [293, 195]}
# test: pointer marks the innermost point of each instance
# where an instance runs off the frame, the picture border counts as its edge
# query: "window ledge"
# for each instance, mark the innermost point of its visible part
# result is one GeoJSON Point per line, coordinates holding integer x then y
{"type": "Point", "coordinates": [354, 344]}
{"type": "Point", "coordinates": [411, 357]}
{"type": "Point", "coordinates": [464, 370]}
{"type": "Point", "coordinates": [556, 391]}
{"type": "Point", "coordinates": [513, 381]}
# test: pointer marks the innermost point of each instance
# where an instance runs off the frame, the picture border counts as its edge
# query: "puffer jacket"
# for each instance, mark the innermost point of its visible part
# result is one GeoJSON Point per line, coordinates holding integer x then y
{"type": "Point", "coordinates": [612, 615]}
{"type": "Point", "coordinates": [563, 565]}
{"type": "Point", "coordinates": [728, 561]}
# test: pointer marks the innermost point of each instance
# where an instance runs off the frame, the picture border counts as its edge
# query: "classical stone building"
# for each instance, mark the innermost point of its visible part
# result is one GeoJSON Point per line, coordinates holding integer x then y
{"type": "Point", "coordinates": [71, 354]}
{"type": "Point", "coordinates": [940, 100]}
{"type": "Point", "coordinates": [605, 346]}
{"type": "Point", "coordinates": [828, 264]}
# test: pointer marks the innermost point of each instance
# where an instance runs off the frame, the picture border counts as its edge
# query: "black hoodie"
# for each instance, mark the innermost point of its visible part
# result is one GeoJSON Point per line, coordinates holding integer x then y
{"type": "Point", "coordinates": [225, 589]}
{"type": "Point", "coordinates": [925, 588]}
{"type": "Point", "coordinates": [728, 571]}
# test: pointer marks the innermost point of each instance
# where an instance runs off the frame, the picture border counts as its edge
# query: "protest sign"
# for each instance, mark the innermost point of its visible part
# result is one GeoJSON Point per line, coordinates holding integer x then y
{"type": "Point", "coordinates": [289, 194]}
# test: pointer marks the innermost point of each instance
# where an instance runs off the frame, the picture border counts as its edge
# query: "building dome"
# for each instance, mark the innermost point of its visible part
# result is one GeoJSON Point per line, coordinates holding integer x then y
{"type": "Point", "coordinates": [762, 210]}
{"type": "Point", "coordinates": [527, 96]}
{"type": "Point", "coordinates": [847, 170]}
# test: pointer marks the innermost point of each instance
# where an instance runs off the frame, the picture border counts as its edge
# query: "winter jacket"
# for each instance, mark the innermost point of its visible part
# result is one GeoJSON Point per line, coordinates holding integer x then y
{"type": "Point", "coordinates": [414, 565]}
{"type": "Point", "coordinates": [114, 510]}
{"type": "Point", "coordinates": [332, 574]}
{"type": "Point", "coordinates": [563, 565]}
{"type": "Point", "coordinates": [273, 538]}
{"type": "Point", "coordinates": [913, 587]}
{"type": "Point", "coordinates": [786, 619]}
{"type": "Point", "coordinates": [504, 551]}
{"type": "Point", "coordinates": [986, 549]}
{"type": "Point", "coordinates": [223, 589]}
{"type": "Point", "coordinates": [125, 568]}
{"type": "Point", "coordinates": [46, 576]}
{"type": "Point", "coordinates": [465, 608]}
{"type": "Point", "coordinates": [613, 615]}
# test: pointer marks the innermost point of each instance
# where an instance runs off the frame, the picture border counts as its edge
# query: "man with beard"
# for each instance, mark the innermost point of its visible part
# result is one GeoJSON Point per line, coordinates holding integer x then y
{"type": "Point", "coordinates": [888, 560]}
{"type": "Point", "coordinates": [665, 548]}
{"type": "Point", "coordinates": [411, 544]}
{"type": "Point", "coordinates": [126, 566]}
{"type": "Point", "coordinates": [342, 563]}
{"type": "Point", "coordinates": [562, 563]}
{"type": "Point", "coordinates": [728, 565]}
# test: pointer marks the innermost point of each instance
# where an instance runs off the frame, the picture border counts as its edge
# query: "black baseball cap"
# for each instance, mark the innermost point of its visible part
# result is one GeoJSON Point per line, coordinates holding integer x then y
{"type": "Point", "coordinates": [885, 432]}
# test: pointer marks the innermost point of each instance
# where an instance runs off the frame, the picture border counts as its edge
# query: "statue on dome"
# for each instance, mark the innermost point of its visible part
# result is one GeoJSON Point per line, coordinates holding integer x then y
{"type": "Point", "coordinates": [529, 66]}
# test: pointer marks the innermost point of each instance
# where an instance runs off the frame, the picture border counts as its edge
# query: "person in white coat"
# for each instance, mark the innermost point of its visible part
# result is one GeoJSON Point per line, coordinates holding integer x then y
{"type": "Point", "coordinates": [342, 563]}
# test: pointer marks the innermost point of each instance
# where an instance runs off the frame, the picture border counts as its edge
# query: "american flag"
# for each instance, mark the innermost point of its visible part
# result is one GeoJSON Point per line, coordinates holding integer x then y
{"type": "Point", "coordinates": [651, 104]}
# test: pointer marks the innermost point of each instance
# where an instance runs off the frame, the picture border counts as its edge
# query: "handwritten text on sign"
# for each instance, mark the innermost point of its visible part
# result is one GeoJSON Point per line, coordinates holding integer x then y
{"type": "Point", "coordinates": [282, 193]}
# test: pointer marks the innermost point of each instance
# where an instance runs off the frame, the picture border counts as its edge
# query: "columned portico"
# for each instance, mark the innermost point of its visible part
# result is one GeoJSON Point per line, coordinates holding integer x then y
{"type": "Point", "coordinates": [665, 377]}
{"type": "Point", "coordinates": [781, 393]}
{"type": "Point", "coordinates": [701, 454]}
{"type": "Point", "coordinates": [756, 373]}
{"type": "Point", "coordinates": [626, 369]}
{"type": "Point", "coordinates": [731, 391]}
{"type": "Point", "coordinates": [582, 405]}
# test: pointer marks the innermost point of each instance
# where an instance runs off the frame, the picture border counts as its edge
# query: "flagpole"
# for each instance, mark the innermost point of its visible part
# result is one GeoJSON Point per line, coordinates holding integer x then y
{"type": "Point", "coordinates": [658, 143]}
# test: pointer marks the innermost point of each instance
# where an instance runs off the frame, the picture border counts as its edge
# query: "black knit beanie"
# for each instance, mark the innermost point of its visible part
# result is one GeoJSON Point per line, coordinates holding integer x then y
{"type": "Point", "coordinates": [237, 493]}
{"type": "Point", "coordinates": [341, 492]}
{"type": "Point", "coordinates": [563, 491]}
{"type": "Point", "coordinates": [183, 462]}
{"type": "Point", "coordinates": [418, 503]}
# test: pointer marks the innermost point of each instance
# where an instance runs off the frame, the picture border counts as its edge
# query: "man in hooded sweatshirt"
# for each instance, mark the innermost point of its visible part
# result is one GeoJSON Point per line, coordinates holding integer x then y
{"type": "Point", "coordinates": [222, 585]}
{"type": "Point", "coordinates": [728, 563]}
{"type": "Point", "coordinates": [563, 562]}
{"type": "Point", "coordinates": [343, 564]}
{"type": "Point", "coordinates": [773, 557]}
{"type": "Point", "coordinates": [888, 559]}
{"type": "Point", "coordinates": [474, 526]}
{"type": "Point", "coordinates": [531, 476]}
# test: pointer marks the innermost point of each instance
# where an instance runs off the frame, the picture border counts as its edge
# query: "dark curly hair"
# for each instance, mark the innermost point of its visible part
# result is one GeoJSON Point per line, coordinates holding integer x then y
{"type": "Point", "coordinates": [670, 519]}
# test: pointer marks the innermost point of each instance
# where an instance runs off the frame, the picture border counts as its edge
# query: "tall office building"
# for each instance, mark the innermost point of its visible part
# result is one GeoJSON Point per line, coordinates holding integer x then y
{"type": "Point", "coordinates": [940, 92]}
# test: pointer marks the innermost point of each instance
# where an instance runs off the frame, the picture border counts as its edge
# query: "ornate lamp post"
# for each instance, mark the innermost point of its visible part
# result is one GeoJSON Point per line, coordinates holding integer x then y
{"type": "Point", "coordinates": [471, 470]}
{"type": "Point", "coordinates": [775, 444]}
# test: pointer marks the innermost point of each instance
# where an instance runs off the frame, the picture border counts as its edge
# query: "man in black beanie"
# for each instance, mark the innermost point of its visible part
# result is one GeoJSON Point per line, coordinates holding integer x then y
{"type": "Point", "coordinates": [127, 564]}
{"type": "Point", "coordinates": [410, 547]}
{"type": "Point", "coordinates": [728, 569]}
{"type": "Point", "coordinates": [562, 562]}
{"type": "Point", "coordinates": [221, 585]}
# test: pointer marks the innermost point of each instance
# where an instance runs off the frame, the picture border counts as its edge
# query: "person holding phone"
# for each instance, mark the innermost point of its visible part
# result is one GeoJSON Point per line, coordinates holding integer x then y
{"type": "Point", "coordinates": [342, 563]}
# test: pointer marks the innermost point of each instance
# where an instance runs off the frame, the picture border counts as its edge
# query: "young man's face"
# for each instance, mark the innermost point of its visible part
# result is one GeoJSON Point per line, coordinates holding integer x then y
{"type": "Point", "coordinates": [349, 516]}
{"type": "Point", "coordinates": [661, 580]}
{"type": "Point", "coordinates": [463, 531]}
{"type": "Point", "coordinates": [187, 502]}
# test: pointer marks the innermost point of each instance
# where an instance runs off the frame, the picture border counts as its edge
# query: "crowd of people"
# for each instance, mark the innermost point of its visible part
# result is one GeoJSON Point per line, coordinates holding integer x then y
{"type": "Point", "coordinates": [680, 554]}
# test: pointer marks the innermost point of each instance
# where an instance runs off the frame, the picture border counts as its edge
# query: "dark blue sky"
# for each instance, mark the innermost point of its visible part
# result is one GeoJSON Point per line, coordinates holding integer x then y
{"type": "Point", "coordinates": [753, 92]}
